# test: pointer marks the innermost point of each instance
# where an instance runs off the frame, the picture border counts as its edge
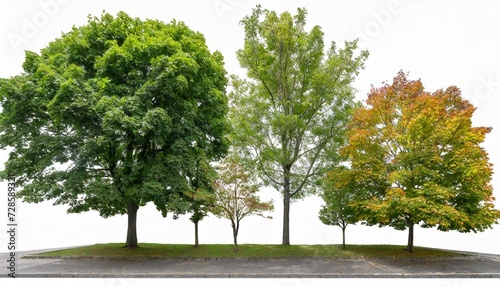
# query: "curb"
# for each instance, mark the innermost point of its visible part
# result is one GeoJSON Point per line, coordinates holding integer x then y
{"type": "Point", "coordinates": [257, 275]}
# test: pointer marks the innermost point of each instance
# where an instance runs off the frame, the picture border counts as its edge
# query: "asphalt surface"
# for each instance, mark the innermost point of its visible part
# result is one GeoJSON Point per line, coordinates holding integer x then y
{"type": "Point", "coordinates": [476, 265]}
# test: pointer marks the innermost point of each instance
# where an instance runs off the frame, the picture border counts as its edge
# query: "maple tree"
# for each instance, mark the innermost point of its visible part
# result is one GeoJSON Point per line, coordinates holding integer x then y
{"type": "Point", "coordinates": [236, 194]}
{"type": "Point", "coordinates": [416, 159]}
{"type": "Point", "coordinates": [108, 116]}
{"type": "Point", "coordinates": [292, 111]}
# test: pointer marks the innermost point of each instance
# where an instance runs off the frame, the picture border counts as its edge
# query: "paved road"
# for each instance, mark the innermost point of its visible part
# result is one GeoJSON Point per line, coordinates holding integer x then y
{"type": "Point", "coordinates": [474, 266]}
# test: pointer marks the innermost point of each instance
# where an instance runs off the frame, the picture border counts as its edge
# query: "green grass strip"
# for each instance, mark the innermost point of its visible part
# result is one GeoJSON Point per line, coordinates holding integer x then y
{"type": "Point", "coordinates": [213, 251]}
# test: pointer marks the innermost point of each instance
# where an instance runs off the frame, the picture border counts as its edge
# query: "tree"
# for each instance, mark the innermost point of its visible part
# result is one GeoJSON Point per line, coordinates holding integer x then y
{"type": "Point", "coordinates": [418, 160]}
{"type": "Point", "coordinates": [338, 195]}
{"type": "Point", "coordinates": [291, 114]}
{"type": "Point", "coordinates": [236, 194]}
{"type": "Point", "coordinates": [107, 117]}
{"type": "Point", "coordinates": [202, 195]}
{"type": "Point", "coordinates": [202, 201]}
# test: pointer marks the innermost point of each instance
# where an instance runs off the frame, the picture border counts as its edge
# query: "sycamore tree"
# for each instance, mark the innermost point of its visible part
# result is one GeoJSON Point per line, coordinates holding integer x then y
{"type": "Point", "coordinates": [338, 193]}
{"type": "Point", "coordinates": [292, 111]}
{"type": "Point", "coordinates": [236, 194]}
{"type": "Point", "coordinates": [416, 159]}
{"type": "Point", "coordinates": [108, 117]}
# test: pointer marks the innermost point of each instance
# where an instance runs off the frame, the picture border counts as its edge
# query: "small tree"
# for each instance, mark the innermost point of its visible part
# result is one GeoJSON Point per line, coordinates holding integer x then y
{"type": "Point", "coordinates": [236, 198]}
{"type": "Point", "coordinates": [338, 195]}
{"type": "Point", "coordinates": [418, 160]}
{"type": "Point", "coordinates": [201, 196]}
{"type": "Point", "coordinates": [202, 200]}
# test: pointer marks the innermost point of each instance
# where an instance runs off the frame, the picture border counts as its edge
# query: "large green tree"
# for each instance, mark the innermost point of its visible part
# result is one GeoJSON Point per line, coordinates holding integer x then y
{"type": "Point", "coordinates": [292, 111]}
{"type": "Point", "coordinates": [108, 116]}
{"type": "Point", "coordinates": [416, 159]}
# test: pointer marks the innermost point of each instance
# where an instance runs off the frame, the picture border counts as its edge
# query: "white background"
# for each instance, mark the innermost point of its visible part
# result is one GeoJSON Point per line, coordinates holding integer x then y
{"type": "Point", "coordinates": [443, 44]}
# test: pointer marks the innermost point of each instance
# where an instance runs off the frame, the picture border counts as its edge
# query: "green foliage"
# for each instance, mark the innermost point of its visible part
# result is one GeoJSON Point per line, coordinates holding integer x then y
{"type": "Point", "coordinates": [201, 194]}
{"type": "Point", "coordinates": [292, 112]}
{"type": "Point", "coordinates": [115, 113]}
{"type": "Point", "coordinates": [338, 195]}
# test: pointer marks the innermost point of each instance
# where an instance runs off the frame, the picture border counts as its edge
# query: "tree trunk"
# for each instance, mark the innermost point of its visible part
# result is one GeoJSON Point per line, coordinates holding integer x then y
{"type": "Point", "coordinates": [286, 208]}
{"type": "Point", "coordinates": [196, 241]}
{"type": "Point", "coordinates": [235, 236]}
{"type": "Point", "coordinates": [132, 226]}
{"type": "Point", "coordinates": [286, 218]}
{"type": "Point", "coordinates": [343, 237]}
{"type": "Point", "coordinates": [409, 247]}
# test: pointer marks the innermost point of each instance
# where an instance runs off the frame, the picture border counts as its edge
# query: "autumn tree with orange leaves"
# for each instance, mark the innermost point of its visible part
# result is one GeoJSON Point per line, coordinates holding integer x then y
{"type": "Point", "coordinates": [416, 159]}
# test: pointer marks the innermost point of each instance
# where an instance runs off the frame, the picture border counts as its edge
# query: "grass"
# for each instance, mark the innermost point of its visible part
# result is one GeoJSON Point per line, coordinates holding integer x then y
{"type": "Point", "coordinates": [153, 250]}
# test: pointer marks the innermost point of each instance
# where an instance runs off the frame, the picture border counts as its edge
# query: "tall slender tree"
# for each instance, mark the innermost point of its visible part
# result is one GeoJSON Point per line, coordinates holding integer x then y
{"type": "Point", "coordinates": [106, 117]}
{"type": "Point", "coordinates": [292, 112]}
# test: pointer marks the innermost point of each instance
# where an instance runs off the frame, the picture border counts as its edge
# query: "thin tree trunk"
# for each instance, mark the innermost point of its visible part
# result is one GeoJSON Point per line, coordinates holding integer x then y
{"type": "Point", "coordinates": [196, 241]}
{"type": "Point", "coordinates": [343, 237]}
{"type": "Point", "coordinates": [235, 236]}
{"type": "Point", "coordinates": [409, 247]}
{"type": "Point", "coordinates": [132, 226]}
{"type": "Point", "coordinates": [286, 208]}
{"type": "Point", "coordinates": [235, 239]}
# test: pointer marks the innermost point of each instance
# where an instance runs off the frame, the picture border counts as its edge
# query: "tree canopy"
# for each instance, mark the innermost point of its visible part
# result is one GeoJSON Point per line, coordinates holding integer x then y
{"type": "Point", "coordinates": [108, 116]}
{"type": "Point", "coordinates": [236, 194]}
{"type": "Point", "coordinates": [292, 111]}
{"type": "Point", "coordinates": [416, 159]}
